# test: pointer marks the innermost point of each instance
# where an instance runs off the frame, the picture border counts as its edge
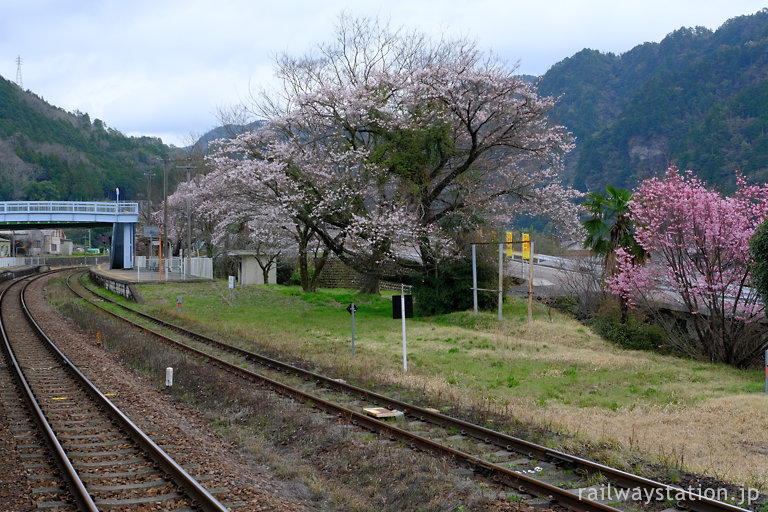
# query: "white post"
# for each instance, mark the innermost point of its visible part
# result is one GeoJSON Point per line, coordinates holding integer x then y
{"type": "Point", "coordinates": [402, 315]}
{"type": "Point", "coordinates": [169, 376]}
{"type": "Point", "coordinates": [501, 277]}
{"type": "Point", "coordinates": [352, 312]}
{"type": "Point", "coordinates": [474, 275]}
{"type": "Point", "coordinates": [530, 286]}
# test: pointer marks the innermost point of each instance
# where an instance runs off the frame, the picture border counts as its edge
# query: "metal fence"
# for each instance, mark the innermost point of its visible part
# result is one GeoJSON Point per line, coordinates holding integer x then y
{"type": "Point", "coordinates": [193, 267]}
{"type": "Point", "coordinates": [32, 261]}
{"type": "Point", "coordinates": [68, 207]}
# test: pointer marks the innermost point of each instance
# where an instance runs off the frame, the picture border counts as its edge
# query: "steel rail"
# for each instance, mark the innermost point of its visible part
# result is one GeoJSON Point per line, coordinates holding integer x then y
{"type": "Point", "coordinates": [82, 498]}
{"type": "Point", "coordinates": [685, 498]}
{"type": "Point", "coordinates": [193, 489]}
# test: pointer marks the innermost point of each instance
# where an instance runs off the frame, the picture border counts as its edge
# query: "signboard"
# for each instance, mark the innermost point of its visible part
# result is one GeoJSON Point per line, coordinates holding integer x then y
{"type": "Point", "coordinates": [526, 247]}
{"type": "Point", "coordinates": [152, 231]}
{"type": "Point", "coordinates": [351, 308]}
{"type": "Point", "coordinates": [509, 244]}
{"type": "Point", "coordinates": [396, 308]}
{"type": "Point", "coordinates": [231, 282]}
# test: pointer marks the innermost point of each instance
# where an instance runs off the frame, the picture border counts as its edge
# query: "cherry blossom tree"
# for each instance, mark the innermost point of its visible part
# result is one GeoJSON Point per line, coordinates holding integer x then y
{"type": "Point", "coordinates": [699, 245]}
{"type": "Point", "coordinates": [202, 224]}
{"type": "Point", "coordinates": [255, 206]}
{"type": "Point", "coordinates": [174, 232]}
{"type": "Point", "coordinates": [389, 146]}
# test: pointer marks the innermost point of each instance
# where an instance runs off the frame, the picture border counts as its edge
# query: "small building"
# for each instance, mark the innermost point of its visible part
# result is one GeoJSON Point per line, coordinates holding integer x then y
{"type": "Point", "coordinates": [248, 269]}
{"type": "Point", "coordinates": [66, 248]}
{"type": "Point", "coordinates": [37, 242]}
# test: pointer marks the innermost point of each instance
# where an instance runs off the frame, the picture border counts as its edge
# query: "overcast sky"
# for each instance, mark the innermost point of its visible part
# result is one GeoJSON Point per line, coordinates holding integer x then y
{"type": "Point", "coordinates": [166, 67]}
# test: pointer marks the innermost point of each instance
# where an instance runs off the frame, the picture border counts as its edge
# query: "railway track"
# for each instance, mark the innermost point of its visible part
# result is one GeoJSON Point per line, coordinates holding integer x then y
{"type": "Point", "coordinates": [80, 450]}
{"type": "Point", "coordinates": [526, 468]}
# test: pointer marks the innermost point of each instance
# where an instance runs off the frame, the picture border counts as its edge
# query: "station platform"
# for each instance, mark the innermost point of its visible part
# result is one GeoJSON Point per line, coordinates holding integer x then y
{"type": "Point", "coordinates": [144, 276]}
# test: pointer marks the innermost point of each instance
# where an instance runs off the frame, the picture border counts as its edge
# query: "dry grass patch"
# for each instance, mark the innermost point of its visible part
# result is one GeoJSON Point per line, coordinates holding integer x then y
{"type": "Point", "coordinates": [725, 438]}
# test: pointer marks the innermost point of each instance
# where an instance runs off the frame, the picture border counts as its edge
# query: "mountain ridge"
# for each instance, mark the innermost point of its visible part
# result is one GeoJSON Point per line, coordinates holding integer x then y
{"type": "Point", "coordinates": [636, 113]}
{"type": "Point", "coordinates": [697, 99]}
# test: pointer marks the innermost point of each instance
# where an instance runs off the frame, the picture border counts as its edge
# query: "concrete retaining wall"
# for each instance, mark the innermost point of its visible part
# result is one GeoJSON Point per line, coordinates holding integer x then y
{"type": "Point", "coordinates": [337, 275]}
{"type": "Point", "coordinates": [118, 286]}
{"type": "Point", "coordinates": [13, 273]}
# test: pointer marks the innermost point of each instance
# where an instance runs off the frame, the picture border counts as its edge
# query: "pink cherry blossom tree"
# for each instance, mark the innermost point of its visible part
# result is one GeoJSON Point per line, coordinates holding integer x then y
{"type": "Point", "coordinates": [389, 147]}
{"type": "Point", "coordinates": [202, 224]}
{"type": "Point", "coordinates": [699, 245]}
{"type": "Point", "coordinates": [174, 232]}
{"type": "Point", "coordinates": [258, 205]}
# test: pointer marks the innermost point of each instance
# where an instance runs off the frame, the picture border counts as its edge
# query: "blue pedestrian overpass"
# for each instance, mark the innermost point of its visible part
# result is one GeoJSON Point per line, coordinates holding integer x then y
{"type": "Point", "coordinates": [58, 214]}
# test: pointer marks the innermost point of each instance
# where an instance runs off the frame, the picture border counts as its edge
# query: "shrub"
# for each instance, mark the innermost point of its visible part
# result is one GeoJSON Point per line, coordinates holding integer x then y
{"type": "Point", "coordinates": [285, 271]}
{"type": "Point", "coordinates": [566, 304]}
{"type": "Point", "coordinates": [632, 335]}
{"type": "Point", "coordinates": [758, 249]}
{"type": "Point", "coordinates": [449, 289]}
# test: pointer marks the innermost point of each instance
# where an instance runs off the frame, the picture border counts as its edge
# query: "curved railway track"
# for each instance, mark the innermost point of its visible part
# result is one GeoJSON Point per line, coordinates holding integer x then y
{"type": "Point", "coordinates": [86, 454]}
{"type": "Point", "coordinates": [526, 468]}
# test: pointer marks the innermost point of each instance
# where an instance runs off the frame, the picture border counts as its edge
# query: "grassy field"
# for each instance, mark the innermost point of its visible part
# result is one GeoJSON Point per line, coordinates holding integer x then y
{"type": "Point", "coordinates": [554, 373]}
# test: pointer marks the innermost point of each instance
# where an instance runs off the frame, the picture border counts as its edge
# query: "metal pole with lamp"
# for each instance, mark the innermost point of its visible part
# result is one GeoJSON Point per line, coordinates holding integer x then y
{"type": "Point", "coordinates": [114, 232]}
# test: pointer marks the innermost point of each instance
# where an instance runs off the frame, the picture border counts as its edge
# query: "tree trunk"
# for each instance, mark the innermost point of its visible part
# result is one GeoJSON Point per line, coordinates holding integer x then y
{"type": "Point", "coordinates": [369, 284]}
{"type": "Point", "coordinates": [319, 264]}
{"type": "Point", "coordinates": [303, 266]}
{"type": "Point", "coordinates": [623, 306]}
{"type": "Point", "coordinates": [265, 273]}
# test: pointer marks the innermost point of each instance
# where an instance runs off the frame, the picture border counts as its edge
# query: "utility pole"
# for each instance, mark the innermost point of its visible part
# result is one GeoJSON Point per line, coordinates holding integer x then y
{"type": "Point", "coordinates": [189, 216]}
{"type": "Point", "coordinates": [149, 174]}
{"type": "Point", "coordinates": [165, 202]}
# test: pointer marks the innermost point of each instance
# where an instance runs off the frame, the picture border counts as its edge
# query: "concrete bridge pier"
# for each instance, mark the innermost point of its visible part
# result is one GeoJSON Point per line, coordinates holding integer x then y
{"type": "Point", "coordinates": [121, 250]}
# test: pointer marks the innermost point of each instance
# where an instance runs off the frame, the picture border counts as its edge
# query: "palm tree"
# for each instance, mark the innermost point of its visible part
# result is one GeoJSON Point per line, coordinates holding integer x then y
{"type": "Point", "coordinates": [609, 228]}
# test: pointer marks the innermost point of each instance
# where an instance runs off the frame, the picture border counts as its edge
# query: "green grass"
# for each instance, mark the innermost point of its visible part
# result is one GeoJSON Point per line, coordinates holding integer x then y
{"type": "Point", "coordinates": [554, 374]}
{"type": "Point", "coordinates": [476, 352]}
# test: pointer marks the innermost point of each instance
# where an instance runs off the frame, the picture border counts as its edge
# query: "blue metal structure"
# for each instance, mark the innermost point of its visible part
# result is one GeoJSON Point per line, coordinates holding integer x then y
{"type": "Point", "coordinates": [49, 214]}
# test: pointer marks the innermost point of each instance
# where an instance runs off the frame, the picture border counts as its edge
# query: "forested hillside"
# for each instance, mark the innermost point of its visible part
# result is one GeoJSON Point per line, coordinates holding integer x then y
{"type": "Point", "coordinates": [698, 99]}
{"type": "Point", "coordinates": [49, 154]}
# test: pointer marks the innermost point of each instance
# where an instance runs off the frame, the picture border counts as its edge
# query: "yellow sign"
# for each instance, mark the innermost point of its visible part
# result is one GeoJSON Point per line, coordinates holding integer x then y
{"type": "Point", "coordinates": [509, 244]}
{"type": "Point", "coordinates": [526, 247]}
